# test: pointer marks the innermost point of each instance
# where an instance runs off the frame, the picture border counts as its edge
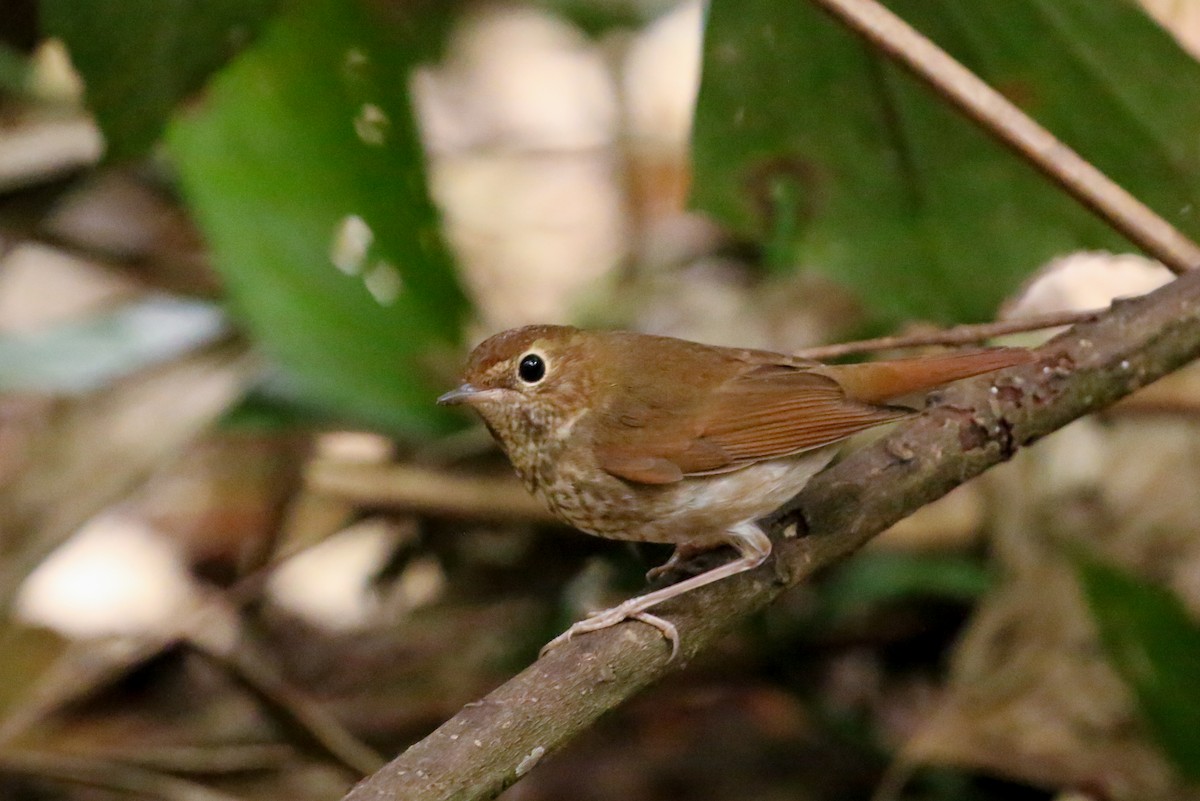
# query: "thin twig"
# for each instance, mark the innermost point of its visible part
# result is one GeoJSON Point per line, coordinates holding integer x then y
{"type": "Point", "coordinates": [203, 760]}
{"type": "Point", "coordinates": [208, 634]}
{"type": "Point", "coordinates": [1011, 126]}
{"type": "Point", "coordinates": [104, 774]}
{"type": "Point", "coordinates": [958, 335]}
{"type": "Point", "coordinates": [419, 489]}
{"type": "Point", "coordinates": [491, 743]}
{"type": "Point", "coordinates": [213, 629]}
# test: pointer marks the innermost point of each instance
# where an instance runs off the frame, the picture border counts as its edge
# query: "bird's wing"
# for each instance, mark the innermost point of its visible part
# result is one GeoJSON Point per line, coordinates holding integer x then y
{"type": "Point", "coordinates": [762, 412]}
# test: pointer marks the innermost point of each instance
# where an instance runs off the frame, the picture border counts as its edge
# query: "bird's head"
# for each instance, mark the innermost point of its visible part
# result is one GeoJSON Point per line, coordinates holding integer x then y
{"type": "Point", "coordinates": [525, 381]}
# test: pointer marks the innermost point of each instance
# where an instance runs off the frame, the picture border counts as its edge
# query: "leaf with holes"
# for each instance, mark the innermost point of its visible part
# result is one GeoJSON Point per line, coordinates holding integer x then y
{"type": "Point", "coordinates": [304, 169]}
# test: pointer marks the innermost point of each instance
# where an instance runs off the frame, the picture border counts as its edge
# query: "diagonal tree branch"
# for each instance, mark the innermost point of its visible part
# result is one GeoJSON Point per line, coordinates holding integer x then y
{"type": "Point", "coordinates": [491, 743]}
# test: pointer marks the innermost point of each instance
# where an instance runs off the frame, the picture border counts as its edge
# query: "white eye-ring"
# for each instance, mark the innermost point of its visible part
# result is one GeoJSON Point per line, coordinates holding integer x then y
{"type": "Point", "coordinates": [532, 368]}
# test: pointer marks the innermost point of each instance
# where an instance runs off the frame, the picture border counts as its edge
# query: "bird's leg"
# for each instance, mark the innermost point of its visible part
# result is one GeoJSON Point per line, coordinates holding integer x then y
{"type": "Point", "coordinates": [681, 554]}
{"type": "Point", "coordinates": [753, 548]}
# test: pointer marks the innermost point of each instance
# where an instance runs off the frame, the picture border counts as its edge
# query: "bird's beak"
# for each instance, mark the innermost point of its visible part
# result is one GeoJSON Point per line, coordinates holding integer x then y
{"type": "Point", "coordinates": [462, 394]}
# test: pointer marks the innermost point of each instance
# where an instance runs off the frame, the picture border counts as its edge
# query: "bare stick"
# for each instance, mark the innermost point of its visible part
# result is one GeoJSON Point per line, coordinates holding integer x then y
{"type": "Point", "coordinates": [958, 335]}
{"type": "Point", "coordinates": [105, 774]}
{"type": "Point", "coordinates": [491, 743]}
{"type": "Point", "coordinates": [420, 489]}
{"type": "Point", "coordinates": [203, 760]}
{"type": "Point", "coordinates": [1007, 123]}
{"type": "Point", "coordinates": [294, 708]}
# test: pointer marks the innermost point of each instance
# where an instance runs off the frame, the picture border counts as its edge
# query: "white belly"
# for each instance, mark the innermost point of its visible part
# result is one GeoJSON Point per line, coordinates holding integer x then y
{"type": "Point", "coordinates": [698, 510]}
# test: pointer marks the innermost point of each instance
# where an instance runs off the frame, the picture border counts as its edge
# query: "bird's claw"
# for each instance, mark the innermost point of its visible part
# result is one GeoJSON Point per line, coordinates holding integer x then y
{"type": "Point", "coordinates": [611, 617]}
{"type": "Point", "coordinates": [665, 627]}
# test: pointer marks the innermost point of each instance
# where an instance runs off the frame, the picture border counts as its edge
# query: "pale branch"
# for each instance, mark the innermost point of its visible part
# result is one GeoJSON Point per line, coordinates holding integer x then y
{"type": "Point", "coordinates": [491, 743]}
{"type": "Point", "coordinates": [1003, 120]}
{"type": "Point", "coordinates": [415, 488]}
{"type": "Point", "coordinates": [958, 335]}
{"type": "Point", "coordinates": [105, 774]}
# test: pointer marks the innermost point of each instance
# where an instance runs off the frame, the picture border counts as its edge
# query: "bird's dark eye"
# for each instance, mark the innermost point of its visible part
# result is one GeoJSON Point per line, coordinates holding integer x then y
{"type": "Point", "coordinates": [532, 368]}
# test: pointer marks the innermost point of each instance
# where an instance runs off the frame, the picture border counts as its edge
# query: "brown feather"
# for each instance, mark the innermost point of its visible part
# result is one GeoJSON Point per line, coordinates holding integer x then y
{"type": "Point", "coordinates": [639, 467]}
{"type": "Point", "coordinates": [759, 416]}
{"type": "Point", "coordinates": [722, 411]}
{"type": "Point", "coordinates": [875, 382]}
{"type": "Point", "coordinates": [712, 410]}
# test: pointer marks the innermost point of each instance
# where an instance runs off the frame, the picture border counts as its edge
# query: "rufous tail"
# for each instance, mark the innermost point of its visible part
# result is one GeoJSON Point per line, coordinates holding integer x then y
{"type": "Point", "coordinates": [878, 382]}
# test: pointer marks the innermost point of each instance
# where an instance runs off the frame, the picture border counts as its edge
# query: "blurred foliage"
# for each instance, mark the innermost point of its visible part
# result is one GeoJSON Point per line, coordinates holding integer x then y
{"type": "Point", "coordinates": [81, 356]}
{"type": "Point", "coordinates": [596, 17]}
{"type": "Point", "coordinates": [875, 579]}
{"type": "Point", "coordinates": [812, 143]}
{"type": "Point", "coordinates": [311, 133]}
{"type": "Point", "coordinates": [1154, 644]}
{"type": "Point", "coordinates": [14, 70]}
{"type": "Point", "coordinates": [140, 58]}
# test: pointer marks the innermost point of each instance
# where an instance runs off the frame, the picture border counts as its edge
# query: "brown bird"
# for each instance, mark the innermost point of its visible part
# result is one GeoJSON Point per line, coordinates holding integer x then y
{"type": "Point", "coordinates": [653, 439]}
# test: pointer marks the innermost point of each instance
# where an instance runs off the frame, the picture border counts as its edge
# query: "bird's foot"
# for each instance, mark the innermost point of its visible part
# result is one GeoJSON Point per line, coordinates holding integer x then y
{"type": "Point", "coordinates": [751, 543]}
{"type": "Point", "coordinates": [611, 617]}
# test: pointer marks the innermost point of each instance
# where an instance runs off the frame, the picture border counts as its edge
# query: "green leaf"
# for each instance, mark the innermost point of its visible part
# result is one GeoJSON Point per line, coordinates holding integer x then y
{"type": "Point", "coordinates": [139, 58]}
{"type": "Point", "coordinates": [598, 17]}
{"type": "Point", "coordinates": [304, 169]}
{"type": "Point", "coordinates": [873, 579]}
{"type": "Point", "coordinates": [82, 356]}
{"type": "Point", "coordinates": [1154, 645]}
{"type": "Point", "coordinates": [810, 142]}
{"type": "Point", "coordinates": [14, 70]}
